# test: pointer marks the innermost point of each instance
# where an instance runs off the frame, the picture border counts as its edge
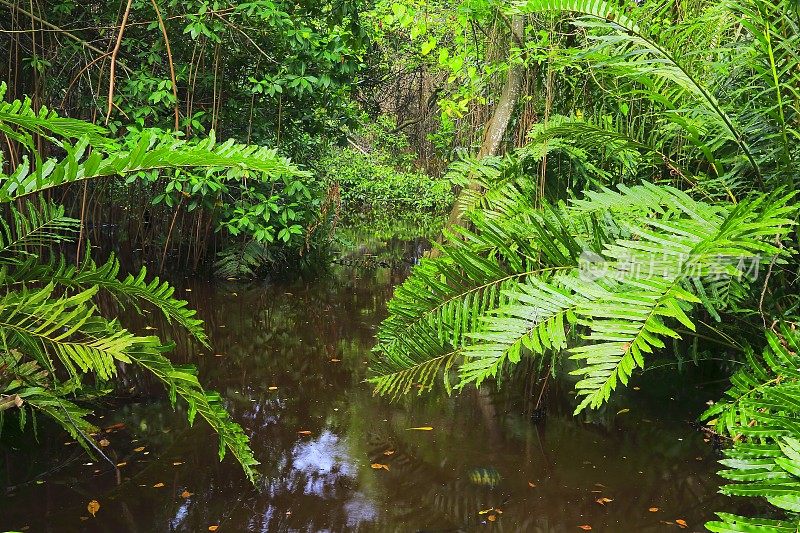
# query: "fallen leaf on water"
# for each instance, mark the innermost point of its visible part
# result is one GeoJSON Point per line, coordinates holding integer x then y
{"type": "Point", "coordinates": [177, 463]}
{"type": "Point", "coordinates": [682, 523]}
{"type": "Point", "coordinates": [185, 494]}
{"type": "Point", "coordinates": [653, 509]}
{"type": "Point", "coordinates": [158, 485]}
{"type": "Point", "coordinates": [273, 388]}
{"type": "Point", "coordinates": [421, 428]}
{"type": "Point", "coordinates": [623, 411]}
{"type": "Point", "coordinates": [93, 507]}
{"type": "Point", "coordinates": [335, 360]}
{"type": "Point", "coordinates": [120, 465]}
{"type": "Point", "coordinates": [491, 518]}
{"type": "Point", "coordinates": [603, 501]}
{"type": "Point", "coordinates": [486, 511]}
{"type": "Point", "coordinates": [104, 443]}
{"type": "Point", "coordinates": [586, 527]}
{"type": "Point", "coordinates": [304, 432]}
{"type": "Point", "coordinates": [378, 466]}
{"type": "Point", "coordinates": [115, 427]}
{"type": "Point", "coordinates": [139, 449]}
{"type": "Point", "coordinates": [149, 328]}
{"type": "Point", "coordinates": [213, 528]}
{"type": "Point", "coordinates": [388, 452]}
{"type": "Point", "coordinates": [219, 355]}
{"type": "Point", "coordinates": [531, 484]}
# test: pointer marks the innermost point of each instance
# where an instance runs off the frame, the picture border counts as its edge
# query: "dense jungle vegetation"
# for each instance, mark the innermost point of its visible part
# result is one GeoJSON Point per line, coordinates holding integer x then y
{"type": "Point", "coordinates": [606, 184]}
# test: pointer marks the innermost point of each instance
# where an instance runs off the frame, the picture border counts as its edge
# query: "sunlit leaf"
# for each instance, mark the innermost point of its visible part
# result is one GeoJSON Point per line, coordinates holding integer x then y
{"type": "Point", "coordinates": [93, 507]}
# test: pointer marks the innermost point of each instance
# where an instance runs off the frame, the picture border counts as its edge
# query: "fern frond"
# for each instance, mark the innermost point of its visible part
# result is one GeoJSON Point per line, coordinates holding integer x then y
{"type": "Point", "coordinates": [41, 224]}
{"type": "Point", "coordinates": [641, 56]}
{"type": "Point", "coordinates": [148, 152]}
{"type": "Point", "coordinates": [522, 286]}
{"type": "Point", "coordinates": [762, 411]}
{"type": "Point", "coordinates": [181, 381]}
{"type": "Point", "coordinates": [19, 121]}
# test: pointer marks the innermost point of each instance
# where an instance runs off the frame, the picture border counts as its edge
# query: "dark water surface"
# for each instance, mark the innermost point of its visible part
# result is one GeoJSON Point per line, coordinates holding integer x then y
{"type": "Point", "coordinates": [291, 359]}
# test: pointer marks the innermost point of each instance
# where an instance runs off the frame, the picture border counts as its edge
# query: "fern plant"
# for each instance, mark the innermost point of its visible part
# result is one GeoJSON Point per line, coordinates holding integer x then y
{"type": "Point", "coordinates": [52, 333]}
{"type": "Point", "coordinates": [521, 284]}
{"type": "Point", "coordinates": [761, 412]}
{"type": "Point", "coordinates": [714, 84]}
{"type": "Point", "coordinates": [608, 276]}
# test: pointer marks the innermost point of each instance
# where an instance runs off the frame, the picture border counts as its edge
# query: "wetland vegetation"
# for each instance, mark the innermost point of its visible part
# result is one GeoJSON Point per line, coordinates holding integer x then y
{"type": "Point", "coordinates": [399, 265]}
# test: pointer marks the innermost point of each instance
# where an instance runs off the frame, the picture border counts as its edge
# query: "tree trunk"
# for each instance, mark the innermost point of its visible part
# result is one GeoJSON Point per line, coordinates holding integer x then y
{"type": "Point", "coordinates": [498, 123]}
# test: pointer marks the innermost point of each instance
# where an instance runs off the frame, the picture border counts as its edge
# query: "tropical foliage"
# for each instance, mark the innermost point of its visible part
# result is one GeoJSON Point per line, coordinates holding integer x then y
{"type": "Point", "coordinates": [53, 333]}
{"type": "Point", "coordinates": [676, 206]}
{"type": "Point", "coordinates": [760, 412]}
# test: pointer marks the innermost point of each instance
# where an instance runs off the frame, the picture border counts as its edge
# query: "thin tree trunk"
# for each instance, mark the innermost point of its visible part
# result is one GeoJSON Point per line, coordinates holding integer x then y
{"type": "Point", "coordinates": [497, 125]}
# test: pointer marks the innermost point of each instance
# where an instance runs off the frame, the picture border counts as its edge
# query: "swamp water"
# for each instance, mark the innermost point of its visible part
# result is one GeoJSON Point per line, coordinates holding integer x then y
{"type": "Point", "coordinates": [290, 360]}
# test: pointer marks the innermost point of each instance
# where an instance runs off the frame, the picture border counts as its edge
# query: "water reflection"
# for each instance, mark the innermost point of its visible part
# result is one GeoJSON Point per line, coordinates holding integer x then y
{"type": "Point", "coordinates": [291, 360]}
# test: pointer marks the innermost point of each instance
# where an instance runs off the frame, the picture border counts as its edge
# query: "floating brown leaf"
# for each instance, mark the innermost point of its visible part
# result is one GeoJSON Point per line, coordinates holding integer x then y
{"type": "Point", "coordinates": [378, 466]}
{"type": "Point", "coordinates": [104, 443]}
{"type": "Point", "coordinates": [158, 485]}
{"type": "Point", "coordinates": [273, 388]}
{"type": "Point", "coordinates": [186, 494]}
{"type": "Point", "coordinates": [682, 523]}
{"type": "Point", "coordinates": [421, 428]}
{"type": "Point", "coordinates": [653, 509]}
{"type": "Point", "coordinates": [335, 360]}
{"type": "Point", "coordinates": [213, 528]}
{"type": "Point", "coordinates": [139, 449]}
{"type": "Point", "coordinates": [304, 432]}
{"type": "Point", "coordinates": [531, 484]}
{"type": "Point", "coordinates": [491, 518]}
{"type": "Point", "coordinates": [603, 501]}
{"type": "Point", "coordinates": [586, 527]}
{"type": "Point", "coordinates": [93, 507]}
{"type": "Point", "coordinates": [115, 427]}
{"type": "Point", "coordinates": [177, 463]}
{"type": "Point", "coordinates": [120, 465]}
{"type": "Point", "coordinates": [388, 452]}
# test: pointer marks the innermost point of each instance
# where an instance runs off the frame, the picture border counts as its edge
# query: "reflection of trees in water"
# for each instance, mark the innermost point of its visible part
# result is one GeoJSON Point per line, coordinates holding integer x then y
{"type": "Point", "coordinates": [323, 481]}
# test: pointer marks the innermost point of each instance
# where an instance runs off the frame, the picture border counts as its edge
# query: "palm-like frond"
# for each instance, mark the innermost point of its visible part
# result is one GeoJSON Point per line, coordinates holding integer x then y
{"type": "Point", "coordinates": [149, 152]}
{"type": "Point", "coordinates": [19, 121]}
{"type": "Point", "coordinates": [762, 411]}
{"type": "Point", "coordinates": [181, 381]}
{"type": "Point", "coordinates": [641, 55]}
{"type": "Point", "coordinates": [41, 224]}
{"type": "Point", "coordinates": [50, 326]}
{"type": "Point", "coordinates": [134, 290]}
{"type": "Point", "coordinates": [521, 286]}
{"type": "Point", "coordinates": [56, 332]}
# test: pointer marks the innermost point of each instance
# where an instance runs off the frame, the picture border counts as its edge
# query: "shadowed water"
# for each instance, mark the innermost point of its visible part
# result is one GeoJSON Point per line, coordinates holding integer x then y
{"type": "Point", "coordinates": [290, 360]}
